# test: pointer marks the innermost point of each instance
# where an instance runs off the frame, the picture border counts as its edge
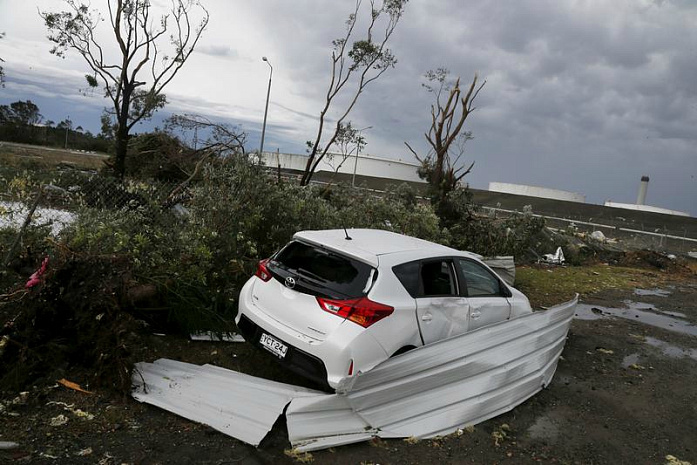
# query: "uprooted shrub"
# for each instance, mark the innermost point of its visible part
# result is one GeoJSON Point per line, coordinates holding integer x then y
{"type": "Point", "coordinates": [187, 268]}
{"type": "Point", "coordinates": [74, 325]}
{"type": "Point", "coordinates": [466, 228]}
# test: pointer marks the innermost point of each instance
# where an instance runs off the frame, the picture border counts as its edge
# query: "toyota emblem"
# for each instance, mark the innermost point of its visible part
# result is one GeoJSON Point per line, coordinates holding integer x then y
{"type": "Point", "coordinates": [290, 282]}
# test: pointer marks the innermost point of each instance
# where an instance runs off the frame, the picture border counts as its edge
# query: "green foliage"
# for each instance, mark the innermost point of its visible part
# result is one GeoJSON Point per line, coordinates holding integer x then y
{"type": "Point", "coordinates": [236, 215]}
{"type": "Point", "coordinates": [161, 156]}
{"type": "Point", "coordinates": [466, 229]}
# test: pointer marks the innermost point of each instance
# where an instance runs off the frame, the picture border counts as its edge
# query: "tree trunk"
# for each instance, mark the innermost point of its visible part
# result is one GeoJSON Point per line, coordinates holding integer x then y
{"type": "Point", "coordinates": [121, 142]}
{"type": "Point", "coordinates": [121, 136]}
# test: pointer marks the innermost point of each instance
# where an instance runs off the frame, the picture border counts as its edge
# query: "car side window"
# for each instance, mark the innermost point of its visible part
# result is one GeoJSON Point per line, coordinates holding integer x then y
{"type": "Point", "coordinates": [437, 279]}
{"type": "Point", "coordinates": [479, 280]}
{"type": "Point", "coordinates": [427, 279]}
{"type": "Point", "coordinates": [408, 275]}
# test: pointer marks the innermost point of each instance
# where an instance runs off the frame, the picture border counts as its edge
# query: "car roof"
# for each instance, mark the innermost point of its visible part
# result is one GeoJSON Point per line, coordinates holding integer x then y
{"type": "Point", "coordinates": [367, 245]}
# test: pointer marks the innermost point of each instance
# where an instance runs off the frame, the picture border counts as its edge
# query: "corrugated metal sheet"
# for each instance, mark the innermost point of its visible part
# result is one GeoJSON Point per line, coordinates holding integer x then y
{"type": "Point", "coordinates": [238, 405]}
{"type": "Point", "coordinates": [504, 266]}
{"type": "Point", "coordinates": [429, 391]}
{"type": "Point", "coordinates": [436, 389]}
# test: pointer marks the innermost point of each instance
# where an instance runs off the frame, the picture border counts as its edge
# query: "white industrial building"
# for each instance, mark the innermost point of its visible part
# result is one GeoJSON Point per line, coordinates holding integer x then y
{"type": "Point", "coordinates": [535, 191]}
{"type": "Point", "coordinates": [361, 165]}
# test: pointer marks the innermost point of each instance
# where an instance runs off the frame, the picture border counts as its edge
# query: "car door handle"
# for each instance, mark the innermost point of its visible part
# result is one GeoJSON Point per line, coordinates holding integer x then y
{"type": "Point", "coordinates": [475, 314]}
{"type": "Point", "coordinates": [427, 317]}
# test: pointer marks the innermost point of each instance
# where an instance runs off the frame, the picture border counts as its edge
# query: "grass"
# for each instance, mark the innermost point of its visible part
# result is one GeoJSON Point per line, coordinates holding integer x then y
{"type": "Point", "coordinates": [33, 156]}
{"type": "Point", "coordinates": [547, 286]}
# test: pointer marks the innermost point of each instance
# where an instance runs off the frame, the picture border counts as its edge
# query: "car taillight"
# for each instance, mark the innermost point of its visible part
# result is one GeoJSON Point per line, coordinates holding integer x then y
{"type": "Point", "coordinates": [362, 311]}
{"type": "Point", "coordinates": [262, 271]}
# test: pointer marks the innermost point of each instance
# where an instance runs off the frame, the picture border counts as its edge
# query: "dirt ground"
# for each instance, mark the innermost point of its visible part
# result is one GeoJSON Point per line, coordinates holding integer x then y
{"type": "Point", "coordinates": [624, 392]}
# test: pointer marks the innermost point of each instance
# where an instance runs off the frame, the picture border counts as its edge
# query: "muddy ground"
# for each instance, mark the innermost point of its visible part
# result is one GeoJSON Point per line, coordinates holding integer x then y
{"type": "Point", "coordinates": [624, 392]}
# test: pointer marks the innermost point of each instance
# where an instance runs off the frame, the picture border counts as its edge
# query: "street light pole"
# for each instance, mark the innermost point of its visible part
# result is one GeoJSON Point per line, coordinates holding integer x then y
{"type": "Point", "coordinates": [358, 151]}
{"type": "Point", "coordinates": [266, 110]}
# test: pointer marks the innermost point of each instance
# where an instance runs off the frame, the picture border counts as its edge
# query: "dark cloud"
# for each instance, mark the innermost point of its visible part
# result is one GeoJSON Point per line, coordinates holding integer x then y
{"type": "Point", "coordinates": [583, 96]}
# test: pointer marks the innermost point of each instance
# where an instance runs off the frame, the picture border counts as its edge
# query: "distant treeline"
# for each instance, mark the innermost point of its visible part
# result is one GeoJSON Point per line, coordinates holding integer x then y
{"type": "Point", "coordinates": [22, 122]}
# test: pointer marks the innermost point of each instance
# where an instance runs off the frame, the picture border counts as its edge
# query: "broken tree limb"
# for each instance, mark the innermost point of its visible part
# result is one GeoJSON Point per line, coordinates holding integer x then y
{"type": "Point", "coordinates": [23, 229]}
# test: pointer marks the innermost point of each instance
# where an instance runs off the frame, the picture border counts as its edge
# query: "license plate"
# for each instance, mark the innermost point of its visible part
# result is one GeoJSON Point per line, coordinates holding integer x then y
{"type": "Point", "coordinates": [273, 345]}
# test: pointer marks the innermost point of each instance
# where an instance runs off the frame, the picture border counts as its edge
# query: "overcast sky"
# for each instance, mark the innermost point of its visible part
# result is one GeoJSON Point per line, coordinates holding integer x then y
{"type": "Point", "coordinates": [585, 96]}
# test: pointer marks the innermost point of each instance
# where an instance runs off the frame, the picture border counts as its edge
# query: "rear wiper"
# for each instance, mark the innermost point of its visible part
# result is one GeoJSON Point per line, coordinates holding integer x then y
{"type": "Point", "coordinates": [311, 275]}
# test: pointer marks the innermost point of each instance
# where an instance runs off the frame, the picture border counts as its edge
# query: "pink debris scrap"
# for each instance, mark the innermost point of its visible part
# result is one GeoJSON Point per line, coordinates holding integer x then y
{"type": "Point", "coordinates": [36, 278]}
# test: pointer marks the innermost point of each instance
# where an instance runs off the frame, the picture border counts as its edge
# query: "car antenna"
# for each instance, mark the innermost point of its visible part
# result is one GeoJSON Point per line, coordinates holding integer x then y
{"type": "Point", "coordinates": [348, 238]}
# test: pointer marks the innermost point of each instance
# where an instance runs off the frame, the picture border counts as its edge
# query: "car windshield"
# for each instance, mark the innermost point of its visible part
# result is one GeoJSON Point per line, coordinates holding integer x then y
{"type": "Point", "coordinates": [322, 272]}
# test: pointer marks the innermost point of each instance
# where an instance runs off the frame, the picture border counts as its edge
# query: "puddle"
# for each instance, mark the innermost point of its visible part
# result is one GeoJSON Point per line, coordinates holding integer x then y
{"type": "Point", "coordinates": [670, 350]}
{"type": "Point", "coordinates": [636, 312]}
{"type": "Point", "coordinates": [643, 306]}
{"type": "Point", "coordinates": [629, 360]}
{"type": "Point", "coordinates": [652, 292]}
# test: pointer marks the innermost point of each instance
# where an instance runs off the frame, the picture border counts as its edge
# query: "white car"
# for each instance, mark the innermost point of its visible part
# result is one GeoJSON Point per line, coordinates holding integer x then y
{"type": "Point", "coordinates": [334, 303]}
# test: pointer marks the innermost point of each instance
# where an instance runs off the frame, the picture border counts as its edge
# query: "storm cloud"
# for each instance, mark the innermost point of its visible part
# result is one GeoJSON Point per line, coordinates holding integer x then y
{"type": "Point", "coordinates": [585, 96]}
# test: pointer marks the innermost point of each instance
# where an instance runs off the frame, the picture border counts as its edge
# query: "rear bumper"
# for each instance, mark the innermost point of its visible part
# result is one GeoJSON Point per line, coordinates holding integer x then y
{"type": "Point", "coordinates": [311, 358]}
{"type": "Point", "coordinates": [296, 360]}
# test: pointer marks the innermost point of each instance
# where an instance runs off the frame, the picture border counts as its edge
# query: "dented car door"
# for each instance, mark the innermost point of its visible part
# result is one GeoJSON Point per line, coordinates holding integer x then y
{"type": "Point", "coordinates": [441, 311]}
{"type": "Point", "coordinates": [487, 297]}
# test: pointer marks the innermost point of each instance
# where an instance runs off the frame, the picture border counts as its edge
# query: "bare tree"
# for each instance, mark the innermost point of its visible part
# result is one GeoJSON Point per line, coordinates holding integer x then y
{"type": "Point", "coordinates": [349, 142]}
{"type": "Point", "coordinates": [354, 66]}
{"type": "Point", "coordinates": [448, 115]}
{"type": "Point", "coordinates": [215, 138]}
{"type": "Point", "coordinates": [148, 57]}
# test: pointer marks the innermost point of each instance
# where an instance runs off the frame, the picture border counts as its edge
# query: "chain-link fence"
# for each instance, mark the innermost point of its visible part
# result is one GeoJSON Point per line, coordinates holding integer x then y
{"type": "Point", "coordinates": [29, 203]}
{"type": "Point", "coordinates": [624, 236]}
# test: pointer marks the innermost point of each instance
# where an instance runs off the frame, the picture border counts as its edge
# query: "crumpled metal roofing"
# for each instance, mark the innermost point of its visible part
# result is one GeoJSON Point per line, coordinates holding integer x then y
{"type": "Point", "coordinates": [429, 391]}
{"type": "Point", "coordinates": [233, 403]}
{"type": "Point", "coordinates": [438, 388]}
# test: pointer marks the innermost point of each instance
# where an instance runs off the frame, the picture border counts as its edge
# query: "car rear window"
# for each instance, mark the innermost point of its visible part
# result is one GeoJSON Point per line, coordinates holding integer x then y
{"type": "Point", "coordinates": [322, 272]}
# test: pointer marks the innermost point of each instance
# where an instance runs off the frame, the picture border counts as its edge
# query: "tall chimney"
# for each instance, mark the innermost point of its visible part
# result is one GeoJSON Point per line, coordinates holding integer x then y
{"type": "Point", "coordinates": [643, 187]}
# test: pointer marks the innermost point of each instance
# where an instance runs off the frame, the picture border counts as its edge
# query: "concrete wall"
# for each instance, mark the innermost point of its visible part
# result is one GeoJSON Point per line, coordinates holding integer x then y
{"type": "Point", "coordinates": [366, 166]}
{"type": "Point", "coordinates": [535, 191]}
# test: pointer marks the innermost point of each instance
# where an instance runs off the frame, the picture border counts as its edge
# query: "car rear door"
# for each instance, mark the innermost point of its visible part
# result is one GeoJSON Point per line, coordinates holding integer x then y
{"type": "Point", "coordinates": [486, 295]}
{"type": "Point", "coordinates": [440, 310]}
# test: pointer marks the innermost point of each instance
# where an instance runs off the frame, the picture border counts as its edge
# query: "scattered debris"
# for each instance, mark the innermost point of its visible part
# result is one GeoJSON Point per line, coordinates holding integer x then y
{"type": "Point", "coordinates": [8, 445]}
{"type": "Point", "coordinates": [673, 460]}
{"type": "Point", "coordinates": [598, 236]}
{"type": "Point", "coordinates": [75, 411]}
{"type": "Point", "coordinates": [504, 266]}
{"type": "Point", "coordinates": [60, 420]}
{"type": "Point", "coordinates": [557, 258]}
{"type": "Point", "coordinates": [71, 385]}
{"type": "Point", "coordinates": [106, 460]}
{"type": "Point", "coordinates": [84, 452]}
{"type": "Point", "coordinates": [634, 366]}
{"type": "Point", "coordinates": [605, 351]}
{"type": "Point", "coordinates": [301, 457]}
{"type": "Point", "coordinates": [37, 277]}
{"type": "Point", "coordinates": [3, 342]}
{"type": "Point", "coordinates": [500, 433]}
{"type": "Point", "coordinates": [216, 337]}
